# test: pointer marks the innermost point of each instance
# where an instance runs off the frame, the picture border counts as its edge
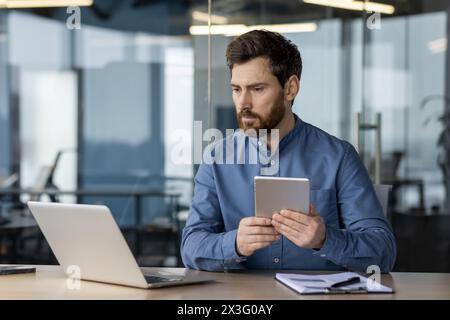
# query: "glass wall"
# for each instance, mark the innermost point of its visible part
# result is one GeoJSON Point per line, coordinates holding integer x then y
{"type": "Point", "coordinates": [354, 62]}
{"type": "Point", "coordinates": [105, 111]}
{"type": "Point", "coordinates": [128, 82]}
{"type": "Point", "coordinates": [406, 84]}
{"type": "Point", "coordinates": [360, 62]}
{"type": "Point", "coordinates": [133, 86]}
{"type": "Point", "coordinates": [47, 99]}
{"type": "Point", "coordinates": [113, 103]}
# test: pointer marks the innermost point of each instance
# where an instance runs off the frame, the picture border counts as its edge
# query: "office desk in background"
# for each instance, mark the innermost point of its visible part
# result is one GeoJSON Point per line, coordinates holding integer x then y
{"type": "Point", "coordinates": [137, 196]}
{"type": "Point", "coordinates": [49, 282]}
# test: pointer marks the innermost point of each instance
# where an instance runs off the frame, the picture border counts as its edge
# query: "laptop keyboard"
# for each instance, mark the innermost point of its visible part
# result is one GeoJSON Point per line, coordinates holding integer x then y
{"type": "Point", "coordinates": [156, 279]}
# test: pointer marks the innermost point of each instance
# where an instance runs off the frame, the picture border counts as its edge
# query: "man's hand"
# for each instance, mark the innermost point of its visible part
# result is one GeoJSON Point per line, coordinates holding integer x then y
{"type": "Point", "coordinates": [254, 233]}
{"type": "Point", "coordinates": [306, 230]}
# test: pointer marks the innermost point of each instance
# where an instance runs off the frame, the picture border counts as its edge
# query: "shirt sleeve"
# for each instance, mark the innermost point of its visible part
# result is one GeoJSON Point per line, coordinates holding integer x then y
{"type": "Point", "coordinates": [204, 244]}
{"type": "Point", "coordinates": [366, 237]}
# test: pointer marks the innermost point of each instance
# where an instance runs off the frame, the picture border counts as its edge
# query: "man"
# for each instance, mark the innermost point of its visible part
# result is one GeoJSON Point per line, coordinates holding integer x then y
{"type": "Point", "coordinates": [345, 228]}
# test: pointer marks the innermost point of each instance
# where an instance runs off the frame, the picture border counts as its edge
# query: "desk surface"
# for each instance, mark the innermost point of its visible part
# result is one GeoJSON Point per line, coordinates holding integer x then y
{"type": "Point", "coordinates": [49, 282]}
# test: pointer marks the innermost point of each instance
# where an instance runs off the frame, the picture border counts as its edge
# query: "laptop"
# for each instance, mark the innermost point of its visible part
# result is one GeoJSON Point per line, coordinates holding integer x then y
{"type": "Point", "coordinates": [88, 238]}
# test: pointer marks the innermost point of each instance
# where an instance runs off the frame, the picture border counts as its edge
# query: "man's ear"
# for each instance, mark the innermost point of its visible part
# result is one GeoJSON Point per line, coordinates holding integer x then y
{"type": "Point", "coordinates": [291, 88]}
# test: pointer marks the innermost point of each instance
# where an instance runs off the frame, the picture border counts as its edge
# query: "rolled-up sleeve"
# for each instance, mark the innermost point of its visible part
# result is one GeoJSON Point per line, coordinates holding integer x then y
{"type": "Point", "coordinates": [365, 237]}
{"type": "Point", "coordinates": [204, 244]}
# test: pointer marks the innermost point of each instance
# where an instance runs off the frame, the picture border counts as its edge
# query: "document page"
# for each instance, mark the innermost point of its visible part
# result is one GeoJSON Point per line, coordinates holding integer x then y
{"type": "Point", "coordinates": [344, 282]}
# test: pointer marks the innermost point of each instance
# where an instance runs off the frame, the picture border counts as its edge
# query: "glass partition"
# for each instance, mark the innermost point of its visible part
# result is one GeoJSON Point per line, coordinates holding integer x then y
{"type": "Point", "coordinates": [115, 102]}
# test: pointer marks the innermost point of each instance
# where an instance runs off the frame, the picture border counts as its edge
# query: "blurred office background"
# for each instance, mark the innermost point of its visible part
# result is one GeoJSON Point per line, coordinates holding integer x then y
{"type": "Point", "coordinates": [102, 111]}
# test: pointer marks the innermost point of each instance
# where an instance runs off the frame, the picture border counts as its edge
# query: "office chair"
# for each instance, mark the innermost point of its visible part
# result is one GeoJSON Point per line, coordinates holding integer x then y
{"type": "Point", "coordinates": [382, 191]}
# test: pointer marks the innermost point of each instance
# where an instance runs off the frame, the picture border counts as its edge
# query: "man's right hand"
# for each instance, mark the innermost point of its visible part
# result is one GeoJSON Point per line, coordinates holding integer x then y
{"type": "Point", "coordinates": [254, 233]}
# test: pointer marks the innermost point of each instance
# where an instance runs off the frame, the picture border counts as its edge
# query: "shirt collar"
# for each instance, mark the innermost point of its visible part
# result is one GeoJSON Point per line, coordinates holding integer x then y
{"type": "Point", "coordinates": [293, 133]}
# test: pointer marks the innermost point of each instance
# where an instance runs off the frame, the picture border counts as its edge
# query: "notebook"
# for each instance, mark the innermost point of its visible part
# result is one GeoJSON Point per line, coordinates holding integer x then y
{"type": "Point", "coordinates": [344, 282]}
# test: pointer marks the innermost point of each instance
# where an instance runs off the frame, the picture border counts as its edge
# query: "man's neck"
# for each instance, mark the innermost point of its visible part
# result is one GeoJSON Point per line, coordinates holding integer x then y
{"type": "Point", "coordinates": [285, 126]}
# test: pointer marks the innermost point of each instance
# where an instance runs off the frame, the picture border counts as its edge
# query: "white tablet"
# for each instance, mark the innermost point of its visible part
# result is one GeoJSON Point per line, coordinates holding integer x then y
{"type": "Point", "coordinates": [275, 193]}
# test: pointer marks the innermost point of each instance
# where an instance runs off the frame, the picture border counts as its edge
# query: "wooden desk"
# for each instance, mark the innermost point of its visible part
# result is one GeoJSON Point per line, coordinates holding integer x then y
{"type": "Point", "coordinates": [49, 282]}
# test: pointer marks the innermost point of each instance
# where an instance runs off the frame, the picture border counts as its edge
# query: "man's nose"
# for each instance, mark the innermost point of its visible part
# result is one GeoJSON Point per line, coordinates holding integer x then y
{"type": "Point", "coordinates": [245, 100]}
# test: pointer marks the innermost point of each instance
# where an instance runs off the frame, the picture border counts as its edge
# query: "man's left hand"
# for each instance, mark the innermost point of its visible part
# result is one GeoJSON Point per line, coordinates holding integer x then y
{"type": "Point", "coordinates": [306, 230]}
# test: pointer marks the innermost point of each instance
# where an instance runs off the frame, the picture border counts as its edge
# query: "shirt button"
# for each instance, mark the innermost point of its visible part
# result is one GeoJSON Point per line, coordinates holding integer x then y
{"type": "Point", "coordinates": [272, 162]}
{"type": "Point", "coordinates": [276, 260]}
{"type": "Point", "coordinates": [259, 143]}
{"type": "Point", "coordinates": [323, 255]}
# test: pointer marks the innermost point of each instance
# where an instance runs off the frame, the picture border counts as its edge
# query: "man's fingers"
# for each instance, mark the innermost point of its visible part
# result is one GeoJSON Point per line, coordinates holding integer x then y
{"type": "Point", "coordinates": [285, 225]}
{"type": "Point", "coordinates": [262, 238]}
{"type": "Point", "coordinates": [256, 221]}
{"type": "Point", "coordinates": [312, 210]}
{"type": "Point", "coordinates": [291, 223]}
{"type": "Point", "coordinates": [296, 216]}
{"type": "Point", "coordinates": [284, 229]}
{"type": "Point", "coordinates": [262, 230]}
{"type": "Point", "coordinates": [290, 233]}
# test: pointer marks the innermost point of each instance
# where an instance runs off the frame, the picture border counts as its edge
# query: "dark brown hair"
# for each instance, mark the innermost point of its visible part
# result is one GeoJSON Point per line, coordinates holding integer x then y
{"type": "Point", "coordinates": [284, 57]}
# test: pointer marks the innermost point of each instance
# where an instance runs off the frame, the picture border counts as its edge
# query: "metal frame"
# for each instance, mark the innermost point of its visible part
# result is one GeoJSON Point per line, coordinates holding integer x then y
{"type": "Point", "coordinates": [359, 127]}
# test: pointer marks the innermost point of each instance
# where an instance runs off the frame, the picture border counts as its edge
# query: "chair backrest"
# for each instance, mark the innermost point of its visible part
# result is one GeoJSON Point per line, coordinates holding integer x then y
{"type": "Point", "coordinates": [382, 191]}
{"type": "Point", "coordinates": [8, 181]}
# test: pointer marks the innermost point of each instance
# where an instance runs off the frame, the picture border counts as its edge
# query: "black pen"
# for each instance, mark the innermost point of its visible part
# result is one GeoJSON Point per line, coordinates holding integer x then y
{"type": "Point", "coordinates": [346, 282]}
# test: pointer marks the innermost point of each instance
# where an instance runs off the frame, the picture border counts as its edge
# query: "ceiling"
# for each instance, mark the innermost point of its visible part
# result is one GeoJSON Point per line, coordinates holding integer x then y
{"type": "Point", "coordinates": [174, 16]}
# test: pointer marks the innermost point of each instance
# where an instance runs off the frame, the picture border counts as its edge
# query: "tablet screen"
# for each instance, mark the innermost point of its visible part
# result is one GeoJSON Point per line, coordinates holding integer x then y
{"type": "Point", "coordinates": [277, 193]}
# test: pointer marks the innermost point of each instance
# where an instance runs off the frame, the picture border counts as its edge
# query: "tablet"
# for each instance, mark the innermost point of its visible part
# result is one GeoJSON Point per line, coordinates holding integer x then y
{"type": "Point", "coordinates": [276, 193]}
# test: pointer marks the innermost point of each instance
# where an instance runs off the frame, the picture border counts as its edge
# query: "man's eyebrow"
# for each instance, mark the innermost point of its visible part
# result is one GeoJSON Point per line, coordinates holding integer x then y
{"type": "Point", "coordinates": [251, 85]}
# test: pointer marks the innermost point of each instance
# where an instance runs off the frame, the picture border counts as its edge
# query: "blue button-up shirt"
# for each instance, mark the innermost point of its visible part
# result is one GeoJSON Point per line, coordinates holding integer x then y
{"type": "Point", "coordinates": [357, 233]}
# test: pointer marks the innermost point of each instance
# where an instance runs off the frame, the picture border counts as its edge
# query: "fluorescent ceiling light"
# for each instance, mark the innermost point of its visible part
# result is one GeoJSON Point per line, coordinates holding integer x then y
{"type": "Point", "coordinates": [355, 5]}
{"type": "Point", "coordinates": [286, 27]}
{"type": "Point", "coordinates": [14, 4]}
{"type": "Point", "coordinates": [236, 29]}
{"type": "Point", "coordinates": [221, 29]}
{"type": "Point", "coordinates": [203, 16]}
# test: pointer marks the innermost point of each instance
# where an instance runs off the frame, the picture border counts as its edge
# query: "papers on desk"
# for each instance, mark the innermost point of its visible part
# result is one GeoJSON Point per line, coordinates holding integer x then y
{"type": "Point", "coordinates": [344, 282]}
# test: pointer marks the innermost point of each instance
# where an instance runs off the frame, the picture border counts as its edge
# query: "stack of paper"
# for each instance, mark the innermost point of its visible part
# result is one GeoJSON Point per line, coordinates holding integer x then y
{"type": "Point", "coordinates": [331, 283]}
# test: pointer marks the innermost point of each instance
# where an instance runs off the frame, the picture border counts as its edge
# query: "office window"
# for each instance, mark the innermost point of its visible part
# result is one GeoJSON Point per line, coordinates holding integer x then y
{"type": "Point", "coordinates": [47, 99]}
{"type": "Point", "coordinates": [136, 92]}
{"type": "Point", "coordinates": [406, 70]}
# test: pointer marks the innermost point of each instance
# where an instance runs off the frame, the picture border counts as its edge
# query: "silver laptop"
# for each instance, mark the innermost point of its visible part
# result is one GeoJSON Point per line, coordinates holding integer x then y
{"type": "Point", "coordinates": [87, 237]}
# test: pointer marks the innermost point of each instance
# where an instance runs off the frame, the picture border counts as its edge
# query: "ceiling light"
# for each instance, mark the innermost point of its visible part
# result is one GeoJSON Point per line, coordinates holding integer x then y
{"type": "Point", "coordinates": [218, 29]}
{"type": "Point", "coordinates": [14, 4]}
{"type": "Point", "coordinates": [236, 29]}
{"type": "Point", "coordinates": [355, 5]}
{"type": "Point", "coordinates": [203, 16]}
{"type": "Point", "coordinates": [286, 27]}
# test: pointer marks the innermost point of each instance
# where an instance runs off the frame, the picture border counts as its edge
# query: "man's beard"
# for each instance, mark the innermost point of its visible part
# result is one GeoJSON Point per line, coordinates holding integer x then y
{"type": "Point", "coordinates": [276, 113]}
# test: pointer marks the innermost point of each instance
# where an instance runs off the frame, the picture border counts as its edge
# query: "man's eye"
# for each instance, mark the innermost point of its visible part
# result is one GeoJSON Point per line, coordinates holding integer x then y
{"type": "Point", "coordinates": [235, 89]}
{"type": "Point", "coordinates": [259, 89]}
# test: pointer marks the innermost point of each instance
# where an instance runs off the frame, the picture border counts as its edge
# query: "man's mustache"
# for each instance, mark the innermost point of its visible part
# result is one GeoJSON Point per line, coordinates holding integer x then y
{"type": "Point", "coordinates": [247, 113]}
